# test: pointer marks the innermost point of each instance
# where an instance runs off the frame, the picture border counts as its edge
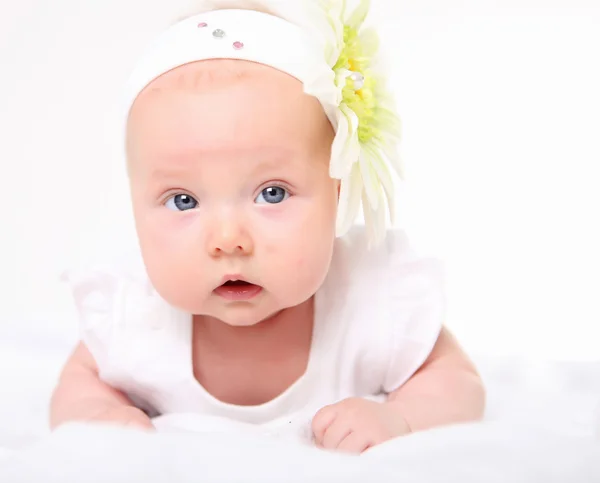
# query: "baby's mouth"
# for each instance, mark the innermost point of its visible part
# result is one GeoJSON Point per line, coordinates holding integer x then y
{"type": "Point", "coordinates": [236, 283]}
{"type": "Point", "coordinates": [238, 290]}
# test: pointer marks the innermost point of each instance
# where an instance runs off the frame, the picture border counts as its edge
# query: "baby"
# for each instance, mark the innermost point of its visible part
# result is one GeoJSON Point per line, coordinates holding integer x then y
{"type": "Point", "coordinates": [252, 139]}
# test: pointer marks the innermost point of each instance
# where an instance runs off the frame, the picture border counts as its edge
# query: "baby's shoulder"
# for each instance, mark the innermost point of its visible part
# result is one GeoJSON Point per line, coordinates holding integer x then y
{"type": "Point", "coordinates": [106, 284]}
{"type": "Point", "coordinates": [100, 272]}
{"type": "Point", "coordinates": [389, 305]}
{"type": "Point", "coordinates": [116, 307]}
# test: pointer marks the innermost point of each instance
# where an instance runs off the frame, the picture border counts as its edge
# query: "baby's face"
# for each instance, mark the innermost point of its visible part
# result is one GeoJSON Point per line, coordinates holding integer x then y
{"type": "Point", "coordinates": [229, 175]}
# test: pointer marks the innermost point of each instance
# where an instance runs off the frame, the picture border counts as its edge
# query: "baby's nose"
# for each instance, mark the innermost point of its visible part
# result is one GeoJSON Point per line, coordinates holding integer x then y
{"type": "Point", "coordinates": [230, 238]}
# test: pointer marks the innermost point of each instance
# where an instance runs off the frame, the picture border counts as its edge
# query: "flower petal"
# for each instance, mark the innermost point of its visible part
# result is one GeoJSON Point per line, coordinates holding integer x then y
{"type": "Point", "coordinates": [349, 202]}
{"type": "Point", "coordinates": [354, 143]}
{"type": "Point", "coordinates": [393, 156]}
{"type": "Point", "coordinates": [358, 16]}
{"type": "Point", "coordinates": [334, 13]}
{"type": "Point", "coordinates": [387, 120]}
{"type": "Point", "coordinates": [369, 40]}
{"type": "Point", "coordinates": [374, 221]}
{"type": "Point", "coordinates": [345, 149]}
{"type": "Point", "coordinates": [338, 166]}
{"type": "Point", "coordinates": [385, 179]}
{"type": "Point", "coordinates": [369, 177]}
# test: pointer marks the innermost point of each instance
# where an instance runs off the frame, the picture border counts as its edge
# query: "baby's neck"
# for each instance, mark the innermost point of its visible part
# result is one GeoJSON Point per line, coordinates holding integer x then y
{"type": "Point", "coordinates": [287, 328]}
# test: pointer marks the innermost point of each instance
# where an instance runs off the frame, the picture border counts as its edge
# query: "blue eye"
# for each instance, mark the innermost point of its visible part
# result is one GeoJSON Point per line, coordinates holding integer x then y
{"type": "Point", "coordinates": [272, 195]}
{"type": "Point", "coordinates": [181, 203]}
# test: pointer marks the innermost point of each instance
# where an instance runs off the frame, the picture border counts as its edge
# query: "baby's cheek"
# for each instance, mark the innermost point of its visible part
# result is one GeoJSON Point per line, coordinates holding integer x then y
{"type": "Point", "coordinates": [309, 267]}
{"type": "Point", "coordinates": [166, 255]}
{"type": "Point", "coordinates": [175, 283]}
{"type": "Point", "coordinates": [170, 238]}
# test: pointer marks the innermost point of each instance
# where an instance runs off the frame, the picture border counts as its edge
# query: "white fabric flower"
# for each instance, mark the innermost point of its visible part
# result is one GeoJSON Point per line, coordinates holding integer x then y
{"type": "Point", "coordinates": [367, 130]}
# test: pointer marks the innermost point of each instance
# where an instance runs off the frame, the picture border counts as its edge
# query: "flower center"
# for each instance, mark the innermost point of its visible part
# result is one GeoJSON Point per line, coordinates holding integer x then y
{"type": "Point", "coordinates": [358, 92]}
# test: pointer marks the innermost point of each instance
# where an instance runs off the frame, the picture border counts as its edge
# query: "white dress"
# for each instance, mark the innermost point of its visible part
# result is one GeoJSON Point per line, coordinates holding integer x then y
{"type": "Point", "coordinates": [377, 318]}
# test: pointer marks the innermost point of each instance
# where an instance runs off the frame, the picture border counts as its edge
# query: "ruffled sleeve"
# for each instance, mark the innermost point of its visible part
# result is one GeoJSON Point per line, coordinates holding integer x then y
{"type": "Point", "coordinates": [138, 341]}
{"type": "Point", "coordinates": [394, 310]}
{"type": "Point", "coordinates": [416, 299]}
{"type": "Point", "coordinates": [110, 294]}
{"type": "Point", "coordinates": [98, 294]}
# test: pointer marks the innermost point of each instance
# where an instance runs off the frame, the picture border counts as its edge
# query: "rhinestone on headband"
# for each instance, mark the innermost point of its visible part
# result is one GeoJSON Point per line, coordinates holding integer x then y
{"type": "Point", "coordinates": [201, 25]}
{"type": "Point", "coordinates": [238, 45]}
{"type": "Point", "coordinates": [218, 34]}
{"type": "Point", "coordinates": [359, 80]}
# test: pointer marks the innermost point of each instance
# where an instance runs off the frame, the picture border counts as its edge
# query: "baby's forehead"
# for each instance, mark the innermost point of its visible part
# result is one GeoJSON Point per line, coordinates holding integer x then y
{"type": "Point", "coordinates": [235, 86]}
{"type": "Point", "coordinates": [226, 104]}
{"type": "Point", "coordinates": [209, 75]}
{"type": "Point", "coordinates": [223, 81]}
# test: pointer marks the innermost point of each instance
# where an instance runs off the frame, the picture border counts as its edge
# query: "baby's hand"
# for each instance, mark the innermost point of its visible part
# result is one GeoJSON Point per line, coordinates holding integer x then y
{"type": "Point", "coordinates": [128, 416]}
{"type": "Point", "coordinates": [354, 425]}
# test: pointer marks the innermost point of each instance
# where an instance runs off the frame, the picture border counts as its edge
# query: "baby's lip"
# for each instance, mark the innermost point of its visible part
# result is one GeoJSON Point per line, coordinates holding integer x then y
{"type": "Point", "coordinates": [236, 277]}
{"type": "Point", "coordinates": [236, 288]}
{"type": "Point", "coordinates": [238, 292]}
{"type": "Point", "coordinates": [233, 277]}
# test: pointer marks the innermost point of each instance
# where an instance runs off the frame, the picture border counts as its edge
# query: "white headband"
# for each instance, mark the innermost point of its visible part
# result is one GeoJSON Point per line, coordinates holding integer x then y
{"type": "Point", "coordinates": [275, 42]}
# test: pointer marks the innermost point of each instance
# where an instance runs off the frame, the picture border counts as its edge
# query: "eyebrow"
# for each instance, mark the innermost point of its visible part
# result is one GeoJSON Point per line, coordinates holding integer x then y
{"type": "Point", "coordinates": [272, 159]}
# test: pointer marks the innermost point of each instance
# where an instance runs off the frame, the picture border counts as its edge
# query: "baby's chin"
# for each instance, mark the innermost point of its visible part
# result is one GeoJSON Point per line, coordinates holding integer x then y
{"type": "Point", "coordinates": [240, 317]}
{"type": "Point", "coordinates": [262, 312]}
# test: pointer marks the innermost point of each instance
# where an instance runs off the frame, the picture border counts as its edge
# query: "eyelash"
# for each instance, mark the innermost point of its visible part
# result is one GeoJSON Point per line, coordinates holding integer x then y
{"type": "Point", "coordinates": [172, 193]}
{"type": "Point", "coordinates": [275, 183]}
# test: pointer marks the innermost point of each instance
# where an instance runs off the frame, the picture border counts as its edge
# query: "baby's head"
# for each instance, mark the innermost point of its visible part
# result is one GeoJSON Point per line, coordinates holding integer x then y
{"type": "Point", "coordinates": [227, 184]}
{"type": "Point", "coordinates": [242, 156]}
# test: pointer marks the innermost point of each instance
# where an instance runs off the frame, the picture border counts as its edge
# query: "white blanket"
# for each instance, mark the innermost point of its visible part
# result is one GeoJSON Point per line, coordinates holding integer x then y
{"type": "Point", "coordinates": [490, 452]}
{"type": "Point", "coordinates": [542, 425]}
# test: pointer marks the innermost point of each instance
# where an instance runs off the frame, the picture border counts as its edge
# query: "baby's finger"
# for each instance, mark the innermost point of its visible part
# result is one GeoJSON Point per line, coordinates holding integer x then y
{"type": "Point", "coordinates": [322, 420]}
{"type": "Point", "coordinates": [335, 434]}
{"type": "Point", "coordinates": [125, 416]}
{"type": "Point", "coordinates": [140, 423]}
{"type": "Point", "coordinates": [354, 443]}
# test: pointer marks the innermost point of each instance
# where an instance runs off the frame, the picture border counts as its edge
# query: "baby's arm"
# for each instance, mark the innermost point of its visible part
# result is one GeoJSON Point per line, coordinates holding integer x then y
{"type": "Point", "coordinates": [446, 389]}
{"type": "Point", "coordinates": [82, 396]}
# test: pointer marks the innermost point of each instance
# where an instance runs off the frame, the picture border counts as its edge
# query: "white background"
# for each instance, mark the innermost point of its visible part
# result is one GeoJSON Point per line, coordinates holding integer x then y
{"type": "Point", "coordinates": [500, 103]}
